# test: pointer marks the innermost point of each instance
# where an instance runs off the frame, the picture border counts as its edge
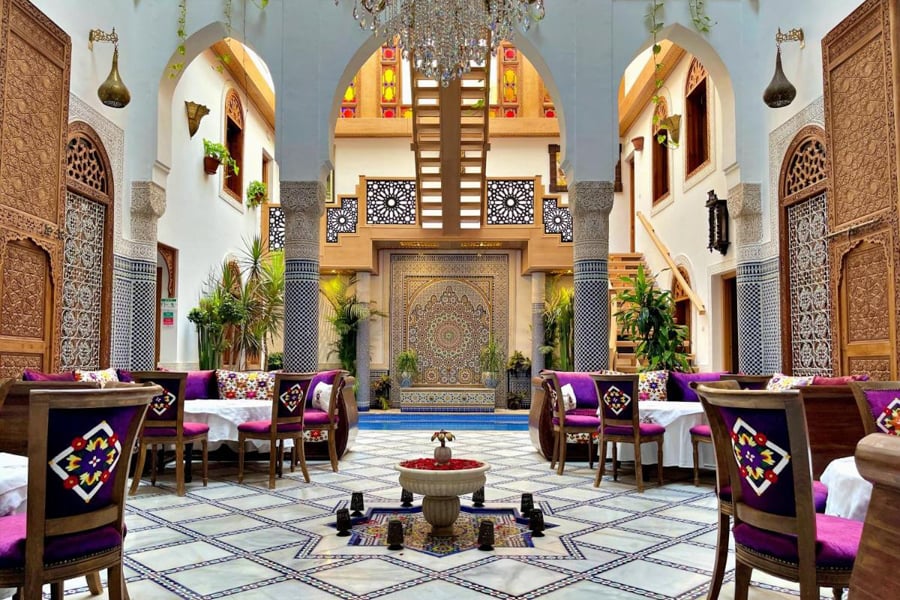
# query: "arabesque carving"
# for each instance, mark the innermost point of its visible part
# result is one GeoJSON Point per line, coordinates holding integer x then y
{"type": "Point", "coordinates": [233, 108]}
{"type": "Point", "coordinates": [696, 74]}
{"type": "Point", "coordinates": [878, 368]}
{"type": "Point", "coordinates": [866, 278]}
{"type": "Point", "coordinates": [25, 277]}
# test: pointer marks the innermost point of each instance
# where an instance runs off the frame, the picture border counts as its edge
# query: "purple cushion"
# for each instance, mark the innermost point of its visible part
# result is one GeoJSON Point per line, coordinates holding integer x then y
{"type": "Point", "coordinates": [820, 495]}
{"type": "Point", "coordinates": [265, 427]}
{"type": "Point", "coordinates": [843, 380]}
{"type": "Point", "coordinates": [646, 429]}
{"type": "Point", "coordinates": [316, 417]}
{"type": "Point", "coordinates": [324, 376]}
{"type": "Point", "coordinates": [574, 420]}
{"type": "Point", "coordinates": [125, 375]}
{"type": "Point", "coordinates": [29, 375]}
{"type": "Point", "coordinates": [678, 387]}
{"type": "Point", "coordinates": [189, 429]}
{"type": "Point", "coordinates": [201, 385]}
{"type": "Point", "coordinates": [702, 430]}
{"type": "Point", "coordinates": [837, 541]}
{"type": "Point", "coordinates": [56, 549]}
{"type": "Point", "coordinates": [583, 385]}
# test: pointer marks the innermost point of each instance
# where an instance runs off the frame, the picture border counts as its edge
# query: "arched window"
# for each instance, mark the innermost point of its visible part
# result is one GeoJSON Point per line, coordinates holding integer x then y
{"type": "Point", "coordinates": [234, 141]}
{"type": "Point", "coordinates": [660, 154]}
{"type": "Point", "coordinates": [696, 108]}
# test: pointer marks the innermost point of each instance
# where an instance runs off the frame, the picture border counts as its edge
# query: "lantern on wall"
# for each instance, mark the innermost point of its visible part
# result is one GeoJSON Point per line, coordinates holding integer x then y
{"type": "Point", "coordinates": [718, 223]}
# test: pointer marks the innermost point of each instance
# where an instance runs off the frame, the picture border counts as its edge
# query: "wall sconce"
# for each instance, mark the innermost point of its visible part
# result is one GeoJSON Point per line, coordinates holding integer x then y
{"type": "Point", "coordinates": [195, 112]}
{"type": "Point", "coordinates": [718, 223]}
{"type": "Point", "coordinates": [780, 92]}
{"type": "Point", "coordinates": [111, 92]}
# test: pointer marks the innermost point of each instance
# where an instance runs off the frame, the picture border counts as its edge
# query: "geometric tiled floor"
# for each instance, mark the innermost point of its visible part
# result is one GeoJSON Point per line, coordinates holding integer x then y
{"type": "Point", "coordinates": [247, 542]}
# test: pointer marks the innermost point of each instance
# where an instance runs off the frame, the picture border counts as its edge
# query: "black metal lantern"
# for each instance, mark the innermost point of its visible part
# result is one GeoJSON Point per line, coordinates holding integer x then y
{"type": "Point", "coordinates": [486, 535]}
{"type": "Point", "coordinates": [343, 522]}
{"type": "Point", "coordinates": [718, 223]}
{"type": "Point", "coordinates": [781, 92]}
{"type": "Point", "coordinates": [478, 498]}
{"type": "Point", "coordinates": [395, 534]}
{"type": "Point", "coordinates": [406, 498]}
{"type": "Point", "coordinates": [536, 523]}
{"type": "Point", "coordinates": [527, 505]}
{"type": "Point", "coordinates": [356, 504]}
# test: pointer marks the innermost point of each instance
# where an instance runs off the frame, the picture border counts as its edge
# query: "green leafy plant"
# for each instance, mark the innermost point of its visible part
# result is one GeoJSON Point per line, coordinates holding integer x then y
{"type": "Point", "coordinates": [518, 362]}
{"type": "Point", "coordinates": [514, 400]}
{"type": "Point", "coordinates": [220, 153]}
{"type": "Point", "coordinates": [491, 358]}
{"type": "Point", "coordinates": [381, 393]}
{"type": "Point", "coordinates": [647, 317]}
{"type": "Point", "coordinates": [559, 329]}
{"type": "Point", "coordinates": [407, 361]}
{"type": "Point", "coordinates": [348, 314]}
{"type": "Point", "coordinates": [257, 193]}
{"type": "Point", "coordinates": [215, 311]}
{"type": "Point", "coordinates": [275, 361]}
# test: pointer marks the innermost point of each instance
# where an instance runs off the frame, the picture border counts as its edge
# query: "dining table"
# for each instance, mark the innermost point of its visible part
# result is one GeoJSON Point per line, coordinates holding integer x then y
{"type": "Point", "coordinates": [848, 492]}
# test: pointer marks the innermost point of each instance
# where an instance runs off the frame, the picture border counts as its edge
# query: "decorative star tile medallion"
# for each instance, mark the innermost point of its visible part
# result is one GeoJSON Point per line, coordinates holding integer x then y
{"type": "Point", "coordinates": [758, 459]}
{"type": "Point", "coordinates": [89, 461]}
{"type": "Point", "coordinates": [616, 399]}
{"type": "Point", "coordinates": [889, 419]}
{"type": "Point", "coordinates": [292, 397]}
{"type": "Point", "coordinates": [160, 404]}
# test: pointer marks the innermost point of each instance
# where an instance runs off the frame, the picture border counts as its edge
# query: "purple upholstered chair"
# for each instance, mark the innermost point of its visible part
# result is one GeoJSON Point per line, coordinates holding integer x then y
{"type": "Point", "coordinates": [582, 419]}
{"type": "Point", "coordinates": [879, 405]}
{"type": "Point", "coordinates": [287, 422]}
{"type": "Point", "coordinates": [620, 421]}
{"type": "Point", "coordinates": [761, 442]}
{"type": "Point", "coordinates": [318, 421]}
{"type": "Point", "coordinates": [165, 425]}
{"type": "Point", "coordinates": [81, 442]}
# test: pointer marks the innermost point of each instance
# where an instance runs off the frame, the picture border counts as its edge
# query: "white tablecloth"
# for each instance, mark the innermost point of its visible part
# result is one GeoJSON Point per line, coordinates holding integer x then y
{"type": "Point", "coordinates": [224, 416]}
{"type": "Point", "coordinates": [848, 492]}
{"type": "Point", "coordinates": [13, 483]}
{"type": "Point", "coordinates": [677, 418]}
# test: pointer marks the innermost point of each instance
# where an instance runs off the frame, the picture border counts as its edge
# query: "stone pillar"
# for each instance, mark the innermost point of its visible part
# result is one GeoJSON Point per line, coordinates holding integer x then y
{"type": "Point", "coordinates": [538, 296]}
{"type": "Point", "coordinates": [302, 203]}
{"type": "Point", "coordinates": [363, 354]}
{"type": "Point", "coordinates": [591, 202]}
{"type": "Point", "coordinates": [148, 203]}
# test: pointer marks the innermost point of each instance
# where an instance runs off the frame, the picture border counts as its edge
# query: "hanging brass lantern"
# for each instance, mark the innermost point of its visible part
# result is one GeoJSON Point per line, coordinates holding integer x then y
{"type": "Point", "coordinates": [780, 92]}
{"type": "Point", "coordinates": [111, 92]}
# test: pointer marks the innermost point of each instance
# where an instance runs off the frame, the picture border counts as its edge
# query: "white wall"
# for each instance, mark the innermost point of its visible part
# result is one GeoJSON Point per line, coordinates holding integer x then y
{"type": "Point", "coordinates": [204, 223]}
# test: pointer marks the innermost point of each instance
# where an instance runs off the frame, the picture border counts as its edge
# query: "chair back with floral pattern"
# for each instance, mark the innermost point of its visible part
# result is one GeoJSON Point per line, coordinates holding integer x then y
{"type": "Point", "coordinates": [879, 405]}
{"type": "Point", "coordinates": [82, 442]}
{"type": "Point", "coordinates": [167, 408]}
{"type": "Point", "coordinates": [760, 438]}
{"type": "Point", "coordinates": [289, 403]}
{"type": "Point", "coordinates": [618, 396]}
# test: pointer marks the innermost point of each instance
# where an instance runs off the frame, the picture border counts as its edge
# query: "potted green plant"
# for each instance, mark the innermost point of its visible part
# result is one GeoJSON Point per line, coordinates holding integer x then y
{"type": "Point", "coordinates": [648, 318]}
{"type": "Point", "coordinates": [514, 400]}
{"type": "Point", "coordinates": [407, 363]}
{"type": "Point", "coordinates": [381, 393]}
{"type": "Point", "coordinates": [559, 329]}
{"type": "Point", "coordinates": [518, 363]}
{"type": "Point", "coordinates": [491, 359]}
{"type": "Point", "coordinates": [215, 154]}
{"type": "Point", "coordinates": [348, 314]}
{"type": "Point", "coordinates": [257, 193]}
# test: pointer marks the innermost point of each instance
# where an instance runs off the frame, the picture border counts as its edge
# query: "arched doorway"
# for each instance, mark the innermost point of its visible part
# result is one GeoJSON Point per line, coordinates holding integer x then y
{"type": "Point", "coordinates": [87, 252]}
{"type": "Point", "coordinates": [806, 344]}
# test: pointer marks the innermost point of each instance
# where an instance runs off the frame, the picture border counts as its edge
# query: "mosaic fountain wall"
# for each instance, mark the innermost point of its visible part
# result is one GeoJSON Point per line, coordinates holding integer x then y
{"type": "Point", "coordinates": [446, 307]}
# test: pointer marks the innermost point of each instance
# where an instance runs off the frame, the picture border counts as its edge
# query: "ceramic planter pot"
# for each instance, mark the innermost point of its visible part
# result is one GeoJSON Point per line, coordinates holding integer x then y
{"type": "Point", "coordinates": [490, 379]}
{"type": "Point", "coordinates": [210, 165]}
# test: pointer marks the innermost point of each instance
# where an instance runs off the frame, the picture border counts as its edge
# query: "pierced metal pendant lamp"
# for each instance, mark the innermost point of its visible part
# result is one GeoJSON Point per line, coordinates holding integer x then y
{"type": "Point", "coordinates": [780, 91]}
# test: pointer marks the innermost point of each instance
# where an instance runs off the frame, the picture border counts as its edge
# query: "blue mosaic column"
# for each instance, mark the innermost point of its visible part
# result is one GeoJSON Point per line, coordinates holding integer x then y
{"type": "Point", "coordinates": [538, 296]}
{"type": "Point", "coordinates": [591, 202]}
{"type": "Point", "coordinates": [363, 296]}
{"type": "Point", "coordinates": [302, 203]}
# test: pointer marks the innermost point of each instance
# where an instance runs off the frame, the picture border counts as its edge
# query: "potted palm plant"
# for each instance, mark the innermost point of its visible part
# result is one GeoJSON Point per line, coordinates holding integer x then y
{"type": "Point", "coordinates": [407, 363]}
{"type": "Point", "coordinates": [215, 154]}
{"type": "Point", "coordinates": [348, 314]}
{"type": "Point", "coordinates": [491, 359]}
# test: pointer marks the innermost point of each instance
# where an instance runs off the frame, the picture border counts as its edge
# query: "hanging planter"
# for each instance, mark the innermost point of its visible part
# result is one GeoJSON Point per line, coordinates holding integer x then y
{"type": "Point", "coordinates": [672, 124]}
{"type": "Point", "coordinates": [210, 165]}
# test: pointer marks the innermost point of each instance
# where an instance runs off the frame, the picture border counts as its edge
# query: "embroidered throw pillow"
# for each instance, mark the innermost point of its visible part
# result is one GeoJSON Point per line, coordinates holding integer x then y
{"type": "Point", "coordinates": [99, 376]}
{"type": "Point", "coordinates": [843, 380]}
{"type": "Point", "coordinates": [322, 396]}
{"type": "Point", "coordinates": [782, 383]}
{"type": "Point", "coordinates": [247, 385]}
{"type": "Point", "coordinates": [568, 397]}
{"type": "Point", "coordinates": [652, 385]}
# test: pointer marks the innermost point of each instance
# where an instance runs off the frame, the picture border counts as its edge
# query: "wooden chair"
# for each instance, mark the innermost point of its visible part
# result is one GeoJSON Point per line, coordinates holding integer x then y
{"type": "Point", "coordinates": [832, 422]}
{"type": "Point", "coordinates": [620, 421]}
{"type": "Point", "coordinates": [287, 422]}
{"type": "Point", "coordinates": [582, 419]}
{"type": "Point", "coordinates": [878, 461]}
{"type": "Point", "coordinates": [81, 442]}
{"type": "Point", "coordinates": [878, 403]}
{"type": "Point", "coordinates": [165, 425]}
{"type": "Point", "coordinates": [760, 439]}
{"type": "Point", "coordinates": [748, 382]}
{"type": "Point", "coordinates": [701, 434]}
{"type": "Point", "coordinates": [327, 422]}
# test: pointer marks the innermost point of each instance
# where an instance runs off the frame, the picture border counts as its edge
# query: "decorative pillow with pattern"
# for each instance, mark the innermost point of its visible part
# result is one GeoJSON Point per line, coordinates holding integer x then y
{"type": "Point", "coordinates": [609, 372]}
{"type": "Point", "coordinates": [782, 383]}
{"type": "Point", "coordinates": [99, 376]}
{"type": "Point", "coordinates": [322, 396]}
{"type": "Point", "coordinates": [247, 385]}
{"type": "Point", "coordinates": [652, 385]}
{"type": "Point", "coordinates": [568, 397]}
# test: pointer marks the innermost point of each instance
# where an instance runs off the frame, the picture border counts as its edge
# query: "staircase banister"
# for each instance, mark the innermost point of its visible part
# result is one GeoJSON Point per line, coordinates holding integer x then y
{"type": "Point", "coordinates": [664, 251]}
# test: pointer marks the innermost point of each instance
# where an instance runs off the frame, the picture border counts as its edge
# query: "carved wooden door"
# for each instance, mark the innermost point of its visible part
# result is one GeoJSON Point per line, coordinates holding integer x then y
{"type": "Point", "coordinates": [860, 70]}
{"type": "Point", "coordinates": [34, 106]}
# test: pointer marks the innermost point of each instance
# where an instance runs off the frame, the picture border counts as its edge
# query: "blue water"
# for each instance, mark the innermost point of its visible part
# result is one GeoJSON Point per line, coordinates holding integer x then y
{"type": "Point", "coordinates": [449, 421]}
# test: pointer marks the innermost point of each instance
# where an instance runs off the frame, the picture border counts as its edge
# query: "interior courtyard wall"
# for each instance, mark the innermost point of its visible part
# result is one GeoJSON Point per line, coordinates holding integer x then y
{"type": "Point", "coordinates": [203, 221]}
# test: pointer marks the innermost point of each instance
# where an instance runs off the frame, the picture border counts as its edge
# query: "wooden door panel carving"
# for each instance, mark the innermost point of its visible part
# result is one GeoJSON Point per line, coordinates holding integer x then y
{"type": "Point", "coordinates": [35, 59]}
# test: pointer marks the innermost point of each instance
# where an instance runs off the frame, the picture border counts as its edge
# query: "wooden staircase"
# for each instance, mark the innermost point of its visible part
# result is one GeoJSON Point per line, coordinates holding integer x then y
{"type": "Point", "coordinates": [450, 142]}
{"type": "Point", "coordinates": [623, 264]}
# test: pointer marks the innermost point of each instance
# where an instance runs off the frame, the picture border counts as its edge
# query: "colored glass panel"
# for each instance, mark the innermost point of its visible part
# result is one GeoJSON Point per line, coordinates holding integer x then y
{"type": "Point", "coordinates": [510, 85]}
{"type": "Point", "coordinates": [388, 85]}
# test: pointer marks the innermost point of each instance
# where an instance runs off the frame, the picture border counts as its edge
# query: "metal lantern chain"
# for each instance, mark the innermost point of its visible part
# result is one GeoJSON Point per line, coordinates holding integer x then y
{"type": "Point", "coordinates": [444, 38]}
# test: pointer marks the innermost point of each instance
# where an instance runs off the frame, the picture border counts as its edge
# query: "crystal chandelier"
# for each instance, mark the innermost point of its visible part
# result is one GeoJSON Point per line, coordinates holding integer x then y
{"type": "Point", "coordinates": [444, 38]}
